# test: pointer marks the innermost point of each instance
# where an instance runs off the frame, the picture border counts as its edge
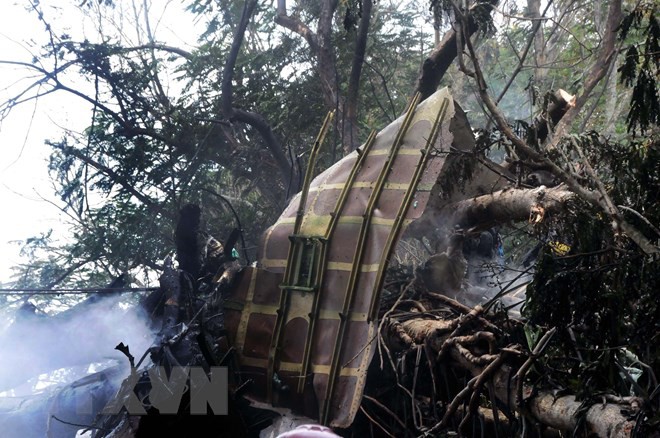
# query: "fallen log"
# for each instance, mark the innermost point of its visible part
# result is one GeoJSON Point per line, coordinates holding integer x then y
{"type": "Point", "coordinates": [604, 420]}
{"type": "Point", "coordinates": [472, 349]}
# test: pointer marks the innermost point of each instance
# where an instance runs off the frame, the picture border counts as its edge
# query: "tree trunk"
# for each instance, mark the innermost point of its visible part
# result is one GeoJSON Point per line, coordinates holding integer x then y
{"type": "Point", "coordinates": [540, 72]}
{"type": "Point", "coordinates": [605, 420]}
{"type": "Point", "coordinates": [321, 47]}
{"type": "Point", "coordinates": [441, 58]}
{"type": "Point", "coordinates": [255, 120]}
{"type": "Point", "coordinates": [350, 129]}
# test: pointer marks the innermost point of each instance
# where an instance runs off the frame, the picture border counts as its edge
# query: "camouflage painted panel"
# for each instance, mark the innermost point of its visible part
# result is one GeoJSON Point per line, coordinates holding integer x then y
{"type": "Point", "coordinates": [327, 336]}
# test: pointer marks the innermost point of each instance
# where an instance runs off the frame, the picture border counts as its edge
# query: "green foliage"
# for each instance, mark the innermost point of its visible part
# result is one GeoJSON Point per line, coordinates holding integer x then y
{"type": "Point", "coordinates": [599, 295]}
{"type": "Point", "coordinates": [602, 293]}
{"type": "Point", "coordinates": [158, 139]}
{"type": "Point", "coordinates": [641, 66]}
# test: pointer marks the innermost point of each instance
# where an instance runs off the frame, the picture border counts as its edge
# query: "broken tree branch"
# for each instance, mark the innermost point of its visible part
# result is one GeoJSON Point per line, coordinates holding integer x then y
{"type": "Point", "coordinates": [467, 352]}
{"type": "Point", "coordinates": [505, 205]}
{"type": "Point", "coordinates": [597, 199]}
{"type": "Point", "coordinates": [563, 413]}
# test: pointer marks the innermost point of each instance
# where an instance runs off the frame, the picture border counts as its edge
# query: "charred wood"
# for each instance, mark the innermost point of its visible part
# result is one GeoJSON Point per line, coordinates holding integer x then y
{"type": "Point", "coordinates": [186, 237]}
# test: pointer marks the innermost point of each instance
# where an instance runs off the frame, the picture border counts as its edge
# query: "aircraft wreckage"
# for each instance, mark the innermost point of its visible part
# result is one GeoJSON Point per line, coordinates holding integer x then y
{"type": "Point", "coordinates": [306, 317]}
{"type": "Point", "coordinates": [298, 330]}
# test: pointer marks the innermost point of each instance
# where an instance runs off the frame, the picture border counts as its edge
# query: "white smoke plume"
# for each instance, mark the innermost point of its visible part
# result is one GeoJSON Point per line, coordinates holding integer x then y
{"type": "Point", "coordinates": [40, 354]}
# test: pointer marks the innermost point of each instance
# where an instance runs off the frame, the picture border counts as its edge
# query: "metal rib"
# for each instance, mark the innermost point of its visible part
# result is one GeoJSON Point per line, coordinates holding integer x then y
{"type": "Point", "coordinates": [288, 274]}
{"type": "Point", "coordinates": [405, 204]}
{"type": "Point", "coordinates": [334, 217]}
{"type": "Point", "coordinates": [357, 258]}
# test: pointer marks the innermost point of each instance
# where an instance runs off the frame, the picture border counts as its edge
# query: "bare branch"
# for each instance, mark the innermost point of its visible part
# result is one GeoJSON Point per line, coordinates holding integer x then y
{"type": "Point", "coordinates": [523, 55]}
{"type": "Point", "coordinates": [295, 25]}
{"type": "Point", "coordinates": [387, 91]}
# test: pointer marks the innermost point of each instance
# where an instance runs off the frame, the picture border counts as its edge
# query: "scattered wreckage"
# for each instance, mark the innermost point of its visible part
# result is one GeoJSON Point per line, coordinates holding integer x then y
{"type": "Point", "coordinates": [333, 326]}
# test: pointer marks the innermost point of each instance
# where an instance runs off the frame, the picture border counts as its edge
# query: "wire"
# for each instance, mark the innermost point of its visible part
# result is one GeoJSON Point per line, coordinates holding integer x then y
{"type": "Point", "coordinates": [46, 291]}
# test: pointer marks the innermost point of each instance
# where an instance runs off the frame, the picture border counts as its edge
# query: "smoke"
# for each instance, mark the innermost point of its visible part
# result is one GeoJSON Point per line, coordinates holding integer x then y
{"type": "Point", "coordinates": [41, 354]}
{"type": "Point", "coordinates": [495, 278]}
{"type": "Point", "coordinates": [488, 273]}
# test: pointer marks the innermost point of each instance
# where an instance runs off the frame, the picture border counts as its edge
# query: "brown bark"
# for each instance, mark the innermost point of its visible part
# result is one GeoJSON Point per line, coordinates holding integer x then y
{"type": "Point", "coordinates": [506, 205]}
{"type": "Point", "coordinates": [441, 58]}
{"type": "Point", "coordinates": [561, 413]}
{"type": "Point", "coordinates": [437, 64]}
{"type": "Point", "coordinates": [326, 55]}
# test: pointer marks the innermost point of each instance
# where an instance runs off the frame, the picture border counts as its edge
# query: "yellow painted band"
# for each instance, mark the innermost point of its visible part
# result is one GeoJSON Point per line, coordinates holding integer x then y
{"type": "Point", "coordinates": [297, 367]}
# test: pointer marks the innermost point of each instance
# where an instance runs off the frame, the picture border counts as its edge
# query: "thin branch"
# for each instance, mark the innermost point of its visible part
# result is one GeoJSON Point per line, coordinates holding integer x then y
{"type": "Point", "coordinates": [522, 371]}
{"type": "Point", "coordinates": [523, 56]}
{"type": "Point", "coordinates": [85, 426]}
{"type": "Point", "coordinates": [386, 409]}
{"type": "Point", "coordinates": [385, 87]}
{"type": "Point", "coordinates": [162, 47]}
{"type": "Point", "coordinates": [127, 185]}
{"type": "Point", "coordinates": [376, 423]}
{"type": "Point", "coordinates": [639, 215]}
{"type": "Point", "coordinates": [70, 271]}
{"type": "Point", "coordinates": [128, 127]}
